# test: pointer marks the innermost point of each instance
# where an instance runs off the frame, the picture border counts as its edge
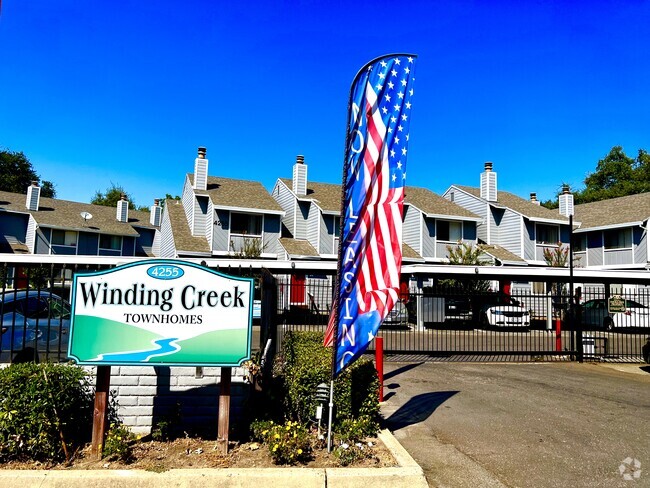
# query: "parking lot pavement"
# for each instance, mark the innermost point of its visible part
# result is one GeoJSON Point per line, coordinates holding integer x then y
{"type": "Point", "coordinates": [523, 424]}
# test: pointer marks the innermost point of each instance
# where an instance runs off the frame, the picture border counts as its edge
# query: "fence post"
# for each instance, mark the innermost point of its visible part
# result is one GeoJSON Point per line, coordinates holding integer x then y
{"type": "Point", "coordinates": [379, 361]}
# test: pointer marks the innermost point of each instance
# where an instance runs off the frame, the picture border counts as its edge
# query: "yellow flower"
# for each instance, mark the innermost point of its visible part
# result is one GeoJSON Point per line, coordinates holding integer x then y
{"type": "Point", "coordinates": [264, 432]}
{"type": "Point", "coordinates": [275, 448]}
{"type": "Point", "coordinates": [277, 436]}
{"type": "Point", "coordinates": [288, 427]}
{"type": "Point", "coordinates": [299, 451]}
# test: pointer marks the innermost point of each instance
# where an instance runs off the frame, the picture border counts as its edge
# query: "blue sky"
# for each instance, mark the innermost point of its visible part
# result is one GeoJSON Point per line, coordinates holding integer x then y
{"type": "Point", "coordinates": [124, 92]}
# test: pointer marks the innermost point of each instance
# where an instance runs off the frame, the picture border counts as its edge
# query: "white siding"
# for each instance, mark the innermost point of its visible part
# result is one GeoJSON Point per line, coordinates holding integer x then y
{"type": "Point", "coordinates": [510, 232]}
{"type": "Point", "coordinates": [595, 248]}
{"type": "Point", "coordinates": [411, 228]}
{"type": "Point", "coordinates": [474, 205]}
{"type": "Point", "coordinates": [167, 247]}
{"type": "Point", "coordinates": [326, 236]}
{"type": "Point", "coordinates": [529, 240]}
{"type": "Point", "coordinates": [287, 201]}
{"type": "Point", "coordinates": [209, 222]}
{"type": "Point", "coordinates": [313, 226]}
{"type": "Point", "coordinates": [189, 203]}
{"type": "Point", "coordinates": [221, 231]}
{"type": "Point", "coordinates": [640, 246]}
{"type": "Point", "coordinates": [201, 205]}
{"type": "Point", "coordinates": [429, 238]}
{"type": "Point", "coordinates": [302, 215]}
{"type": "Point", "coordinates": [155, 246]}
{"type": "Point", "coordinates": [30, 236]}
{"type": "Point", "coordinates": [272, 229]}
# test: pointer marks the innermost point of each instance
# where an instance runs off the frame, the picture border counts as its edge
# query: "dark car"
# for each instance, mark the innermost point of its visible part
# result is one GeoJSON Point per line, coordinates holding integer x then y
{"type": "Point", "coordinates": [595, 314]}
{"type": "Point", "coordinates": [34, 319]}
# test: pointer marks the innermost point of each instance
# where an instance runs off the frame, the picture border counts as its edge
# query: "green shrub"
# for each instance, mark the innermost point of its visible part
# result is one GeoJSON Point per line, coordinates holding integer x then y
{"type": "Point", "coordinates": [45, 411]}
{"type": "Point", "coordinates": [305, 363]}
{"type": "Point", "coordinates": [118, 442]}
{"type": "Point", "coordinates": [288, 443]}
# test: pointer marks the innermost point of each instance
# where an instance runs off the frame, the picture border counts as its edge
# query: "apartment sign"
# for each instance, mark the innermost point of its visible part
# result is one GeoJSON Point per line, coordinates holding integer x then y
{"type": "Point", "coordinates": [161, 312]}
{"type": "Point", "coordinates": [616, 304]}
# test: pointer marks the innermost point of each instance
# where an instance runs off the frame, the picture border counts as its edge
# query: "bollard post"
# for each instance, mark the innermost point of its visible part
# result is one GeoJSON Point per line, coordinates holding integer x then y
{"type": "Point", "coordinates": [379, 360]}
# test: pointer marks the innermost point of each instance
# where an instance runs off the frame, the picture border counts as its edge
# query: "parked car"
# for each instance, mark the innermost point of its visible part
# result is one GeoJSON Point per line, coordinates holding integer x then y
{"type": "Point", "coordinates": [508, 313]}
{"type": "Point", "coordinates": [33, 319]}
{"type": "Point", "coordinates": [595, 314]}
{"type": "Point", "coordinates": [458, 309]}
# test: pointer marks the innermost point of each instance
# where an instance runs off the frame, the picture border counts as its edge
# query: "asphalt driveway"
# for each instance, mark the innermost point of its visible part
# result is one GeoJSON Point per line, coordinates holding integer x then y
{"type": "Point", "coordinates": [523, 425]}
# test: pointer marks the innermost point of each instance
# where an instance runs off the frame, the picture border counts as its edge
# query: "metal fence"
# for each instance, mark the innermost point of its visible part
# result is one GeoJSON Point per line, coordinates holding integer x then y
{"type": "Point", "coordinates": [471, 322]}
{"type": "Point", "coordinates": [465, 321]}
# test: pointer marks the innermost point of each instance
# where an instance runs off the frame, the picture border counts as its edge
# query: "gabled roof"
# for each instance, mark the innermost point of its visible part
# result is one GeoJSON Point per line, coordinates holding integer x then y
{"type": "Point", "coordinates": [519, 205]}
{"type": "Point", "coordinates": [183, 238]}
{"type": "Point", "coordinates": [326, 195]}
{"type": "Point", "coordinates": [410, 254]}
{"type": "Point", "coordinates": [614, 211]}
{"type": "Point", "coordinates": [431, 204]}
{"type": "Point", "coordinates": [64, 214]}
{"type": "Point", "coordinates": [243, 194]}
{"type": "Point", "coordinates": [502, 254]}
{"type": "Point", "coordinates": [298, 248]}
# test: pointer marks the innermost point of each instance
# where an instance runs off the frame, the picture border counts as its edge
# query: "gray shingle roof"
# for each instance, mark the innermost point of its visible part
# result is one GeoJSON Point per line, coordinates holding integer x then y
{"type": "Point", "coordinates": [228, 192]}
{"type": "Point", "coordinates": [298, 247]}
{"type": "Point", "coordinates": [518, 204]}
{"type": "Point", "coordinates": [183, 238]}
{"type": "Point", "coordinates": [64, 214]}
{"type": "Point", "coordinates": [409, 253]}
{"type": "Point", "coordinates": [501, 253]}
{"type": "Point", "coordinates": [326, 195]}
{"type": "Point", "coordinates": [430, 203]}
{"type": "Point", "coordinates": [615, 211]}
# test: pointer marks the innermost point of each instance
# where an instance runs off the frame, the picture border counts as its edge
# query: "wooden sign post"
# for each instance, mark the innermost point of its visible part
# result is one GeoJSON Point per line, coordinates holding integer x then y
{"type": "Point", "coordinates": [224, 410]}
{"type": "Point", "coordinates": [100, 412]}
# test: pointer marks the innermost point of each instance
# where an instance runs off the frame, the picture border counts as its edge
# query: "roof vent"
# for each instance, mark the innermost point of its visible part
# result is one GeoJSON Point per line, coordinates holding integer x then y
{"type": "Point", "coordinates": [489, 183]}
{"type": "Point", "coordinates": [299, 186]}
{"type": "Point", "coordinates": [201, 170]}
{"type": "Point", "coordinates": [533, 198]}
{"type": "Point", "coordinates": [33, 196]}
{"type": "Point", "coordinates": [156, 213]}
{"type": "Point", "coordinates": [123, 209]}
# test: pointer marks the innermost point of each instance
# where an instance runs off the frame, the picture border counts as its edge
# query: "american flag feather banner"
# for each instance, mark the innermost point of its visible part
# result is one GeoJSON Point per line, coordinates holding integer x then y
{"type": "Point", "coordinates": [370, 255]}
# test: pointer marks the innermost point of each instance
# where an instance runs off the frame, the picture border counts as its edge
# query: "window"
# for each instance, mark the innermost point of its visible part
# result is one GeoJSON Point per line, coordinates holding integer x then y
{"type": "Point", "coordinates": [548, 234]}
{"type": "Point", "coordinates": [579, 242]}
{"type": "Point", "coordinates": [248, 224]}
{"type": "Point", "coordinates": [618, 238]}
{"type": "Point", "coordinates": [449, 231]}
{"type": "Point", "coordinates": [337, 226]}
{"type": "Point", "coordinates": [64, 238]}
{"type": "Point", "coordinates": [110, 242]}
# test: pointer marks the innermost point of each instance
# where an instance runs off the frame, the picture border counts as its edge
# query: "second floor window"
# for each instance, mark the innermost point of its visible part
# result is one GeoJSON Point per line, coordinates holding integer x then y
{"type": "Point", "coordinates": [64, 238]}
{"type": "Point", "coordinates": [247, 224]}
{"type": "Point", "coordinates": [618, 238]}
{"type": "Point", "coordinates": [113, 243]}
{"type": "Point", "coordinates": [548, 234]}
{"type": "Point", "coordinates": [579, 242]}
{"type": "Point", "coordinates": [449, 231]}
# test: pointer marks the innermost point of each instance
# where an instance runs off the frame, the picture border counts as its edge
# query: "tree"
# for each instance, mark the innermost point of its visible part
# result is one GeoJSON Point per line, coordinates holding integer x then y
{"type": "Point", "coordinates": [466, 255]}
{"type": "Point", "coordinates": [616, 175]}
{"type": "Point", "coordinates": [18, 173]}
{"type": "Point", "coordinates": [112, 195]}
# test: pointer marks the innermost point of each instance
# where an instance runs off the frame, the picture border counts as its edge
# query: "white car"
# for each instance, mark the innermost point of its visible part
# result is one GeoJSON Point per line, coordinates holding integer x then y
{"type": "Point", "coordinates": [398, 315]}
{"type": "Point", "coordinates": [509, 314]}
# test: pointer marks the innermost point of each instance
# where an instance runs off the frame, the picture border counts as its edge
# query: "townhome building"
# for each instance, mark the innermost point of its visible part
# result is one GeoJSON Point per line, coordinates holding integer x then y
{"type": "Point", "coordinates": [31, 224]}
{"type": "Point", "coordinates": [523, 228]}
{"type": "Point", "coordinates": [220, 217]}
{"type": "Point", "coordinates": [613, 233]}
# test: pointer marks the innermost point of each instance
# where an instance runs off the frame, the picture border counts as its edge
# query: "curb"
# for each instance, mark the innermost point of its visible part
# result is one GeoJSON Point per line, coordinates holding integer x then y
{"type": "Point", "coordinates": [407, 475]}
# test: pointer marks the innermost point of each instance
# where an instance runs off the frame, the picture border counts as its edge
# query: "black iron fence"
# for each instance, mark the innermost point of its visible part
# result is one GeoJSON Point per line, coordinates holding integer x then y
{"type": "Point", "coordinates": [470, 321]}
{"type": "Point", "coordinates": [464, 321]}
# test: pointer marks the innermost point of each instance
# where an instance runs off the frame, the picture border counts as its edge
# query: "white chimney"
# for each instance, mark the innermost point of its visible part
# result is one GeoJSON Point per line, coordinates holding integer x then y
{"type": "Point", "coordinates": [33, 196]}
{"type": "Point", "coordinates": [566, 201]}
{"type": "Point", "coordinates": [201, 170]}
{"type": "Point", "coordinates": [489, 183]}
{"type": "Point", "coordinates": [123, 209]}
{"type": "Point", "coordinates": [156, 213]}
{"type": "Point", "coordinates": [533, 198]}
{"type": "Point", "coordinates": [300, 176]}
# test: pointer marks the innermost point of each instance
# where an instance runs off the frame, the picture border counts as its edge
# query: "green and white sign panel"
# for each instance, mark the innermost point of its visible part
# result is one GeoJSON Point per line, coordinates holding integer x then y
{"type": "Point", "coordinates": [161, 312]}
